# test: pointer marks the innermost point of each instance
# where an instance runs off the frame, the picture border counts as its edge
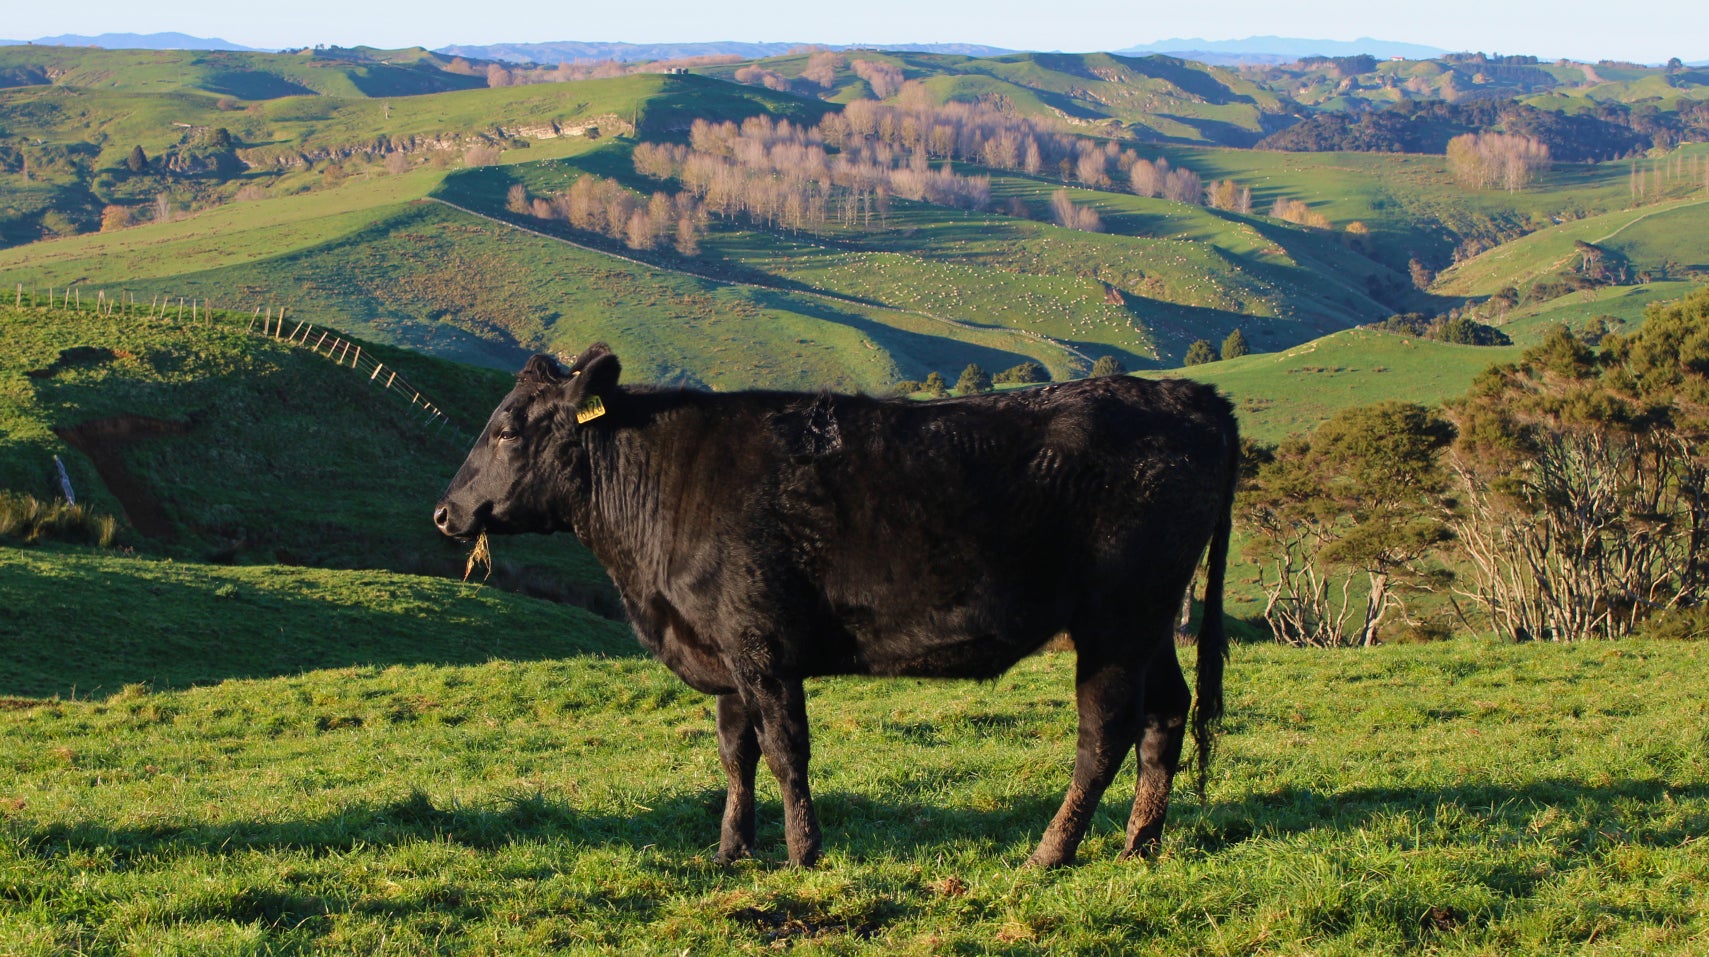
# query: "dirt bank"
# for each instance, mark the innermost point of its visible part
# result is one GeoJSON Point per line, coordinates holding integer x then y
{"type": "Point", "coordinates": [103, 442]}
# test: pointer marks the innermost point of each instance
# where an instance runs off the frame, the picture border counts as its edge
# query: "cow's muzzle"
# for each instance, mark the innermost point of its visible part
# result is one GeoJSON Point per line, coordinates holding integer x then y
{"type": "Point", "coordinates": [446, 519]}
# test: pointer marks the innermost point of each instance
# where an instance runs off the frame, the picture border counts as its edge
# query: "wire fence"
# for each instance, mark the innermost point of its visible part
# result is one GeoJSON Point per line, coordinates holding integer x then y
{"type": "Point", "coordinates": [323, 342]}
{"type": "Point", "coordinates": [343, 352]}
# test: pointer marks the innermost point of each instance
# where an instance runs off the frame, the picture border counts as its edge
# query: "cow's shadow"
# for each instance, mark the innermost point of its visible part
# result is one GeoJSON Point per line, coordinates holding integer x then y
{"type": "Point", "coordinates": [684, 825]}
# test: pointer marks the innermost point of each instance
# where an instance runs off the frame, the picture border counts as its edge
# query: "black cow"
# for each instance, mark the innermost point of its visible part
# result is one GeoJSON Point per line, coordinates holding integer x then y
{"type": "Point", "coordinates": [760, 538]}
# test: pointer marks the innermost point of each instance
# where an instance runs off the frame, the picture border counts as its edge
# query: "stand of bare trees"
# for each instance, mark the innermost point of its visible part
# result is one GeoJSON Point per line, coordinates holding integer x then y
{"type": "Point", "coordinates": [778, 174]}
{"type": "Point", "coordinates": [1485, 160]}
{"type": "Point", "coordinates": [988, 135]}
{"type": "Point", "coordinates": [1158, 178]}
{"type": "Point", "coordinates": [600, 69]}
{"type": "Point", "coordinates": [604, 206]}
{"type": "Point", "coordinates": [1295, 211]}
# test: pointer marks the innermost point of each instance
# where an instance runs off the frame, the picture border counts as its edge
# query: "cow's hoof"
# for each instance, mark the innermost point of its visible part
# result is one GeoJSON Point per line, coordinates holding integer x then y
{"type": "Point", "coordinates": [1040, 859]}
{"type": "Point", "coordinates": [725, 858]}
{"type": "Point", "coordinates": [805, 860]}
{"type": "Point", "coordinates": [1144, 852]}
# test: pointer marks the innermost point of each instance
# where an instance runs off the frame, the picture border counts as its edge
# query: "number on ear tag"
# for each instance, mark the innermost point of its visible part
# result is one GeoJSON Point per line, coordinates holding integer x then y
{"type": "Point", "coordinates": [590, 409]}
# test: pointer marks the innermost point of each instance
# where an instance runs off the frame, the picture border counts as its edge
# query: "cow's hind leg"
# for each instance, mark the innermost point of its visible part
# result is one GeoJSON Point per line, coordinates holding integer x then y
{"type": "Point", "coordinates": [1162, 728]}
{"type": "Point", "coordinates": [739, 750]}
{"type": "Point", "coordinates": [1108, 693]}
{"type": "Point", "coordinates": [780, 709]}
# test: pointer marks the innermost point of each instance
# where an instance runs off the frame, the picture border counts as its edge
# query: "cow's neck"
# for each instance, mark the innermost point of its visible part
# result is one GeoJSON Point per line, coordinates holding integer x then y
{"type": "Point", "coordinates": [637, 475]}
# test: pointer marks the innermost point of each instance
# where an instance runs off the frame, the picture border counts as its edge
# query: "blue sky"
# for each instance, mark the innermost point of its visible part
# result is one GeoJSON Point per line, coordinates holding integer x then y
{"type": "Point", "coordinates": [1580, 29]}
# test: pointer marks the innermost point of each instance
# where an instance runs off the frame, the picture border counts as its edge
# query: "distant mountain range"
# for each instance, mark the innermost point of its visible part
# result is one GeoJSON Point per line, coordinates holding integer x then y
{"type": "Point", "coordinates": [1267, 49]}
{"type": "Point", "coordinates": [573, 51]}
{"type": "Point", "coordinates": [136, 41]}
{"type": "Point", "coordinates": [1279, 49]}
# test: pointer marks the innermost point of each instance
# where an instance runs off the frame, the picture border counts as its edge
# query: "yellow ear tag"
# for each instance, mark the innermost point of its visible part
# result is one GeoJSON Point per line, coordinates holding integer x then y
{"type": "Point", "coordinates": [590, 409]}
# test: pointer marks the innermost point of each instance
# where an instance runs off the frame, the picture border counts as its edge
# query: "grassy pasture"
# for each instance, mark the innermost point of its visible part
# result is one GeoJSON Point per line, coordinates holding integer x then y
{"type": "Point", "coordinates": [397, 765]}
{"type": "Point", "coordinates": [1646, 236]}
{"type": "Point", "coordinates": [216, 442]}
{"type": "Point", "coordinates": [1280, 393]}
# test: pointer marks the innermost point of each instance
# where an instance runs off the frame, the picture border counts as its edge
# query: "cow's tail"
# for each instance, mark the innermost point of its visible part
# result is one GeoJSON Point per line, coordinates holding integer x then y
{"type": "Point", "coordinates": [1213, 631]}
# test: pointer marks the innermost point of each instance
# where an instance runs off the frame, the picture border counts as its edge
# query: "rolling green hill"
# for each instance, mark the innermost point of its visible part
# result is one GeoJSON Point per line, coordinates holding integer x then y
{"type": "Point", "coordinates": [425, 254]}
{"type": "Point", "coordinates": [336, 72]}
{"type": "Point", "coordinates": [955, 289]}
{"type": "Point", "coordinates": [1665, 239]}
{"type": "Point", "coordinates": [65, 150]}
{"type": "Point", "coordinates": [217, 443]}
{"type": "Point", "coordinates": [1154, 98]}
{"type": "Point", "coordinates": [1278, 394]}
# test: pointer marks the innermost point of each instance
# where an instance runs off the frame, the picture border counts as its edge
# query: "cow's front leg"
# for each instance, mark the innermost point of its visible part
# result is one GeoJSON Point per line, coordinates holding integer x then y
{"type": "Point", "coordinates": [739, 750]}
{"type": "Point", "coordinates": [780, 709]}
{"type": "Point", "coordinates": [1107, 694]}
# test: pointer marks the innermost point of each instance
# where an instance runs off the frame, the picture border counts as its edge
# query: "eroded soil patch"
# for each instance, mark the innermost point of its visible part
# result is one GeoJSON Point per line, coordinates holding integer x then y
{"type": "Point", "coordinates": [103, 442]}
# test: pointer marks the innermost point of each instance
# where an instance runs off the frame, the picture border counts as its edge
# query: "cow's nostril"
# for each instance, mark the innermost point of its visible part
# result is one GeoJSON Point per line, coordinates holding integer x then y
{"type": "Point", "coordinates": [441, 517]}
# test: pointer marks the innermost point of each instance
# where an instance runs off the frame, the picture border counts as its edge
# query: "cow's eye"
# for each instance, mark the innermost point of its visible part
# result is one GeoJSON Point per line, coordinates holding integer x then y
{"type": "Point", "coordinates": [507, 433]}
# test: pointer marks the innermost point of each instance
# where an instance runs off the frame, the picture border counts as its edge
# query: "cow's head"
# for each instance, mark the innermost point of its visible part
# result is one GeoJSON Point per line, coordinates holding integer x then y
{"type": "Point", "coordinates": [521, 476]}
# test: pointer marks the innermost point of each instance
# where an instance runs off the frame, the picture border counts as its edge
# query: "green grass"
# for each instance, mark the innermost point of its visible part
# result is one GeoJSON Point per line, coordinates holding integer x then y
{"type": "Point", "coordinates": [1410, 203]}
{"type": "Point", "coordinates": [174, 624]}
{"type": "Point", "coordinates": [247, 76]}
{"type": "Point", "coordinates": [396, 765]}
{"type": "Point", "coordinates": [1621, 309]}
{"type": "Point", "coordinates": [1646, 237]}
{"type": "Point", "coordinates": [1278, 394]}
{"type": "Point", "coordinates": [245, 449]}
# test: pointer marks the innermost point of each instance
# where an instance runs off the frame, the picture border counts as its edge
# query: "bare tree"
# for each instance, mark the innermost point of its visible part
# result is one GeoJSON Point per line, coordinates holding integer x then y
{"type": "Point", "coordinates": [1092, 169]}
{"type": "Point", "coordinates": [1183, 186]}
{"type": "Point", "coordinates": [1072, 216]}
{"type": "Point", "coordinates": [822, 68]}
{"type": "Point", "coordinates": [1484, 160]}
{"type": "Point", "coordinates": [516, 199]}
{"type": "Point", "coordinates": [885, 79]}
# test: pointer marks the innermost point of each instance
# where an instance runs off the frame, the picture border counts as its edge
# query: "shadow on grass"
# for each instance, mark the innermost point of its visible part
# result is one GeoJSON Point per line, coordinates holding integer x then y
{"type": "Point", "coordinates": [83, 625]}
{"type": "Point", "coordinates": [685, 825]}
{"type": "Point", "coordinates": [682, 828]}
{"type": "Point", "coordinates": [1469, 816]}
{"type": "Point", "coordinates": [550, 836]}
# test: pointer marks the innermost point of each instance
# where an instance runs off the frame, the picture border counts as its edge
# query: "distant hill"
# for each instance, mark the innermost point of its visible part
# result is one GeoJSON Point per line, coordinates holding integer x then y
{"type": "Point", "coordinates": [1269, 49]}
{"type": "Point", "coordinates": [574, 51]}
{"type": "Point", "coordinates": [135, 41]}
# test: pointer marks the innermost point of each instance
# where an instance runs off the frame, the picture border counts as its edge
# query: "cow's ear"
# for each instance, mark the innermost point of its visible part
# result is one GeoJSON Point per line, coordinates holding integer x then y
{"type": "Point", "coordinates": [543, 369]}
{"type": "Point", "coordinates": [594, 383]}
{"type": "Point", "coordinates": [597, 375]}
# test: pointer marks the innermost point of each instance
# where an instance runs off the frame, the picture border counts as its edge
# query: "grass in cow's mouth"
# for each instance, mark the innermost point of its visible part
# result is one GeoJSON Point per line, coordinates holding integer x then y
{"type": "Point", "coordinates": [480, 555]}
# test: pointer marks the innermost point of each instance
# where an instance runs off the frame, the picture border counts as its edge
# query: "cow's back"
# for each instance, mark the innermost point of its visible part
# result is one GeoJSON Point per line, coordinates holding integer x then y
{"type": "Point", "coordinates": [955, 537]}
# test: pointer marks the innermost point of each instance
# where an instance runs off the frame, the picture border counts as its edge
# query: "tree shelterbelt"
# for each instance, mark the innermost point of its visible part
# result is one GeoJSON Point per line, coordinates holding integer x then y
{"type": "Point", "coordinates": [1582, 478]}
{"type": "Point", "coordinates": [1563, 497]}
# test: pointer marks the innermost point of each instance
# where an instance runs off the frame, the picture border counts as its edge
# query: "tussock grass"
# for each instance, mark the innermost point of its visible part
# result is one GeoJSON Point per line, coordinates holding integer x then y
{"type": "Point", "coordinates": [27, 519]}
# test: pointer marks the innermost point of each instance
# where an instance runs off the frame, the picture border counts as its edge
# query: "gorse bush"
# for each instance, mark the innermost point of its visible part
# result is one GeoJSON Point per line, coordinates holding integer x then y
{"type": "Point", "coordinates": [27, 519]}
